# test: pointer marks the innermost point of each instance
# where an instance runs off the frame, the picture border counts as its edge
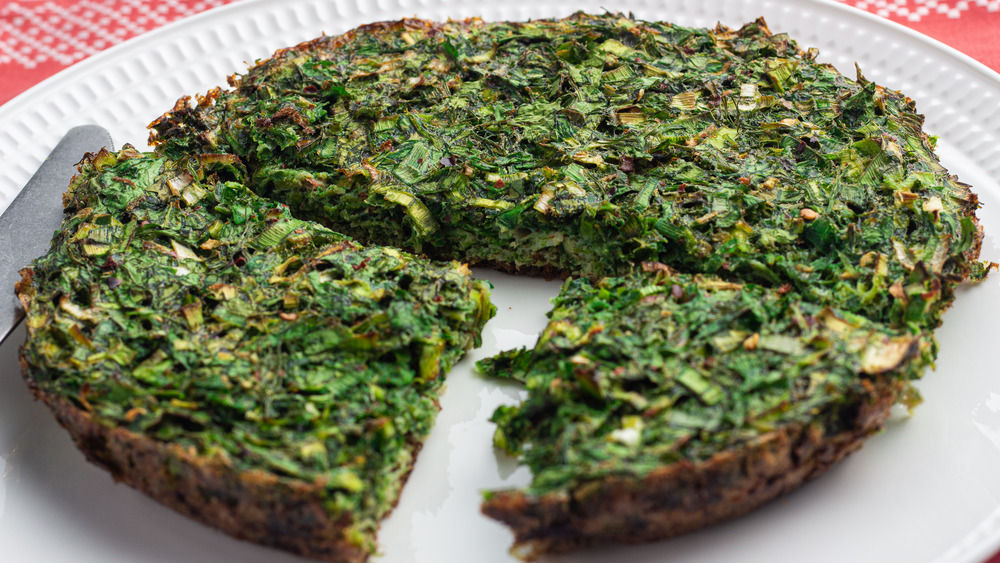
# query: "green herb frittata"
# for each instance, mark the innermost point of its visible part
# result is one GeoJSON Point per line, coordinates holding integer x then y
{"type": "Point", "coordinates": [759, 250]}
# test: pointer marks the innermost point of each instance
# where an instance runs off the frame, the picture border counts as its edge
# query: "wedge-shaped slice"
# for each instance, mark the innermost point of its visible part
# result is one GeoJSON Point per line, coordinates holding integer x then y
{"type": "Point", "coordinates": [659, 403]}
{"type": "Point", "coordinates": [254, 371]}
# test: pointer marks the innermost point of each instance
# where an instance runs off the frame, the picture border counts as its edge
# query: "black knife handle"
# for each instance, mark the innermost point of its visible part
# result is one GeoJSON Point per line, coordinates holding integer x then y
{"type": "Point", "coordinates": [27, 225]}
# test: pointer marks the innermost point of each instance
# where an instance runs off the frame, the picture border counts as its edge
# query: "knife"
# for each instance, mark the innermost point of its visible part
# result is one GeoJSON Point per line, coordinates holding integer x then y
{"type": "Point", "coordinates": [27, 226]}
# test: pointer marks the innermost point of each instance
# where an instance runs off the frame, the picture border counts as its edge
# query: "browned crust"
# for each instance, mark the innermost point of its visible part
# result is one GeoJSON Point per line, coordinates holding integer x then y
{"type": "Point", "coordinates": [969, 210]}
{"type": "Point", "coordinates": [250, 505]}
{"type": "Point", "coordinates": [684, 496]}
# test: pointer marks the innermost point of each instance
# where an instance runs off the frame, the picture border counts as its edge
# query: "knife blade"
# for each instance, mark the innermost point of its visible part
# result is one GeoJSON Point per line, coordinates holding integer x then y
{"type": "Point", "coordinates": [27, 226]}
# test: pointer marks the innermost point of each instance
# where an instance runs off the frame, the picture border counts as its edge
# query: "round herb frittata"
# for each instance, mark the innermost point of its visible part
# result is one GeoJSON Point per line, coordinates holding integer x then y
{"type": "Point", "coordinates": [758, 251]}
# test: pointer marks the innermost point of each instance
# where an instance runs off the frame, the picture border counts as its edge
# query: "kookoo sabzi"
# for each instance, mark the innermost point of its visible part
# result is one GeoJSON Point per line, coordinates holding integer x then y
{"type": "Point", "coordinates": [758, 250]}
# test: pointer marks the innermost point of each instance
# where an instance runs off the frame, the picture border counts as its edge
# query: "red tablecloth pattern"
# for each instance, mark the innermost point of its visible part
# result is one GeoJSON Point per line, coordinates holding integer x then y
{"type": "Point", "coordinates": [41, 37]}
{"type": "Point", "coordinates": [972, 27]}
{"type": "Point", "coordinates": [38, 38]}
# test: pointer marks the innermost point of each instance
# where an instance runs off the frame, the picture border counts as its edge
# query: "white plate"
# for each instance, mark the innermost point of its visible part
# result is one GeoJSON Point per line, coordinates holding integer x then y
{"type": "Point", "coordinates": [927, 489]}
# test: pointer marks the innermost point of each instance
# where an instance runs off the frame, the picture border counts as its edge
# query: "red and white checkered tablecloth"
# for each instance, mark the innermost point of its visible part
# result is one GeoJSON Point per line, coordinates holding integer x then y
{"type": "Point", "coordinates": [38, 38]}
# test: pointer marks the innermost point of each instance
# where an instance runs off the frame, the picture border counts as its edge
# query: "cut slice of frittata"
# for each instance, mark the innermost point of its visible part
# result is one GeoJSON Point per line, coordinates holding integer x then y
{"type": "Point", "coordinates": [661, 402]}
{"type": "Point", "coordinates": [255, 371]}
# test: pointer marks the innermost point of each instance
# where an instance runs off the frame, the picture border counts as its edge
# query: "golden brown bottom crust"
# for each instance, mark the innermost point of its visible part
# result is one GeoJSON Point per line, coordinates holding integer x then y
{"type": "Point", "coordinates": [250, 505]}
{"type": "Point", "coordinates": [684, 496]}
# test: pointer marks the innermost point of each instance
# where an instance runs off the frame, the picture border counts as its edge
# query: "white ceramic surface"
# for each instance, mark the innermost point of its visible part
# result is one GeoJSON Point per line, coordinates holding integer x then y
{"type": "Point", "coordinates": [926, 490]}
